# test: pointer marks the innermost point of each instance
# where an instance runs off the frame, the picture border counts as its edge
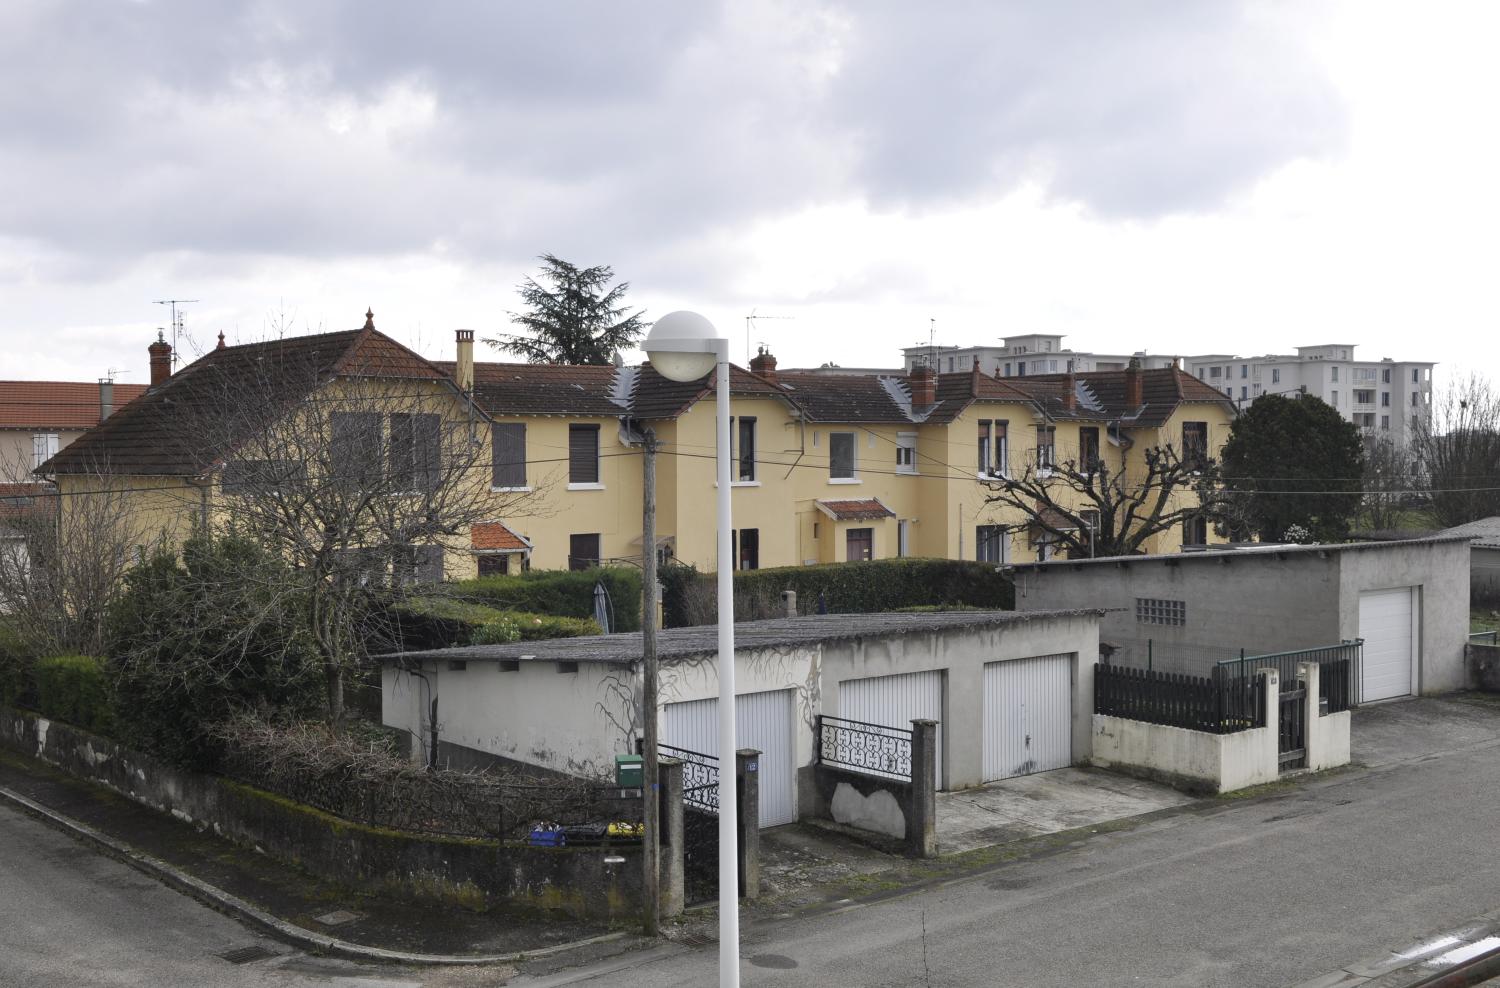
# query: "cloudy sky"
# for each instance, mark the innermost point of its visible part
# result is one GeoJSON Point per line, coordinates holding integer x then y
{"type": "Point", "coordinates": [1179, 177]}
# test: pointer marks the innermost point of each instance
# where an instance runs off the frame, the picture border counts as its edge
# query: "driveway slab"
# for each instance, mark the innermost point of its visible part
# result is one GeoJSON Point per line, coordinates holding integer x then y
{"type": "Point", "coordinates": [1044, 803]}
{"type": "Point", "coordinates": [1384, 734]}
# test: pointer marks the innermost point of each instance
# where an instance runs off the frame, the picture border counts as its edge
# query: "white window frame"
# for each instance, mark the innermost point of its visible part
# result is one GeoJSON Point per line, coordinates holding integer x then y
{"type": "Point", "coordinates": [853, 477]}
{"type": "Point", "coordinates": [43, 448]}
{"type": "Point", "coordinates": [906, 449]}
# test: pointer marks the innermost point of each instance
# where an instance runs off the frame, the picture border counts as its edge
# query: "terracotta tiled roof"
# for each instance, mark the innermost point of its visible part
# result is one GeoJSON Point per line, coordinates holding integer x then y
{"type": "Point", "coordinates": [862, 509]}
{"type": "Point", "coordinates": [846, 397]}
{"type": "Point", "coordinates": [1101, 395]}
{"type": "Point", "coordinates": [543, 389]}
{"type": "Point", "coordinates": [57, 404]}
{"type": "Point", "coordinates": [595, 391]}
{"type": "Point", "coordinates": [493, 536]}
{"type": "Point", "coordinates": [1053, 519]}
{"type": "Point", "coordinates": [23, 501]}
{"type": "Point", "coordinates": [167, 431]}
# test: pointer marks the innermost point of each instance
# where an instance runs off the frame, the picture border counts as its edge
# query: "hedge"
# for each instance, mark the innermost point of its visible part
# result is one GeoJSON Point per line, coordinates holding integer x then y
{"type": "Point", "coordinates": [560, 593]}
{"type": "Point", "coordinates": [16, 686]}
{"type": "Point", "coordinates": [442, 622]}
{"type": "Point", "coordinates": [74, 689]}
{"type": "Point", "coordinates": [847, 588]}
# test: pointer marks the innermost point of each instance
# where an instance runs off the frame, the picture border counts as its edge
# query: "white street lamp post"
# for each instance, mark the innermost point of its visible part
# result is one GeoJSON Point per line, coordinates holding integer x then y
{"type": "Point", "coordinates": [684, 346]}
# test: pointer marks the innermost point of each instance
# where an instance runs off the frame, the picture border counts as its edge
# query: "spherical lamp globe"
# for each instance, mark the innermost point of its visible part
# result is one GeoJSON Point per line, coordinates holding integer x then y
{"type": "Point", "coordinates": [683, 346]}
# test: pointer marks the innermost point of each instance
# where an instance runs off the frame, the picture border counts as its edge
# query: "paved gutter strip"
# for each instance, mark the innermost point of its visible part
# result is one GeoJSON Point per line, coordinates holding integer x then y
{"type": "Point", "coordinates": [1421, 965]}
{"type": "Point", "coordinates": [238, 908]}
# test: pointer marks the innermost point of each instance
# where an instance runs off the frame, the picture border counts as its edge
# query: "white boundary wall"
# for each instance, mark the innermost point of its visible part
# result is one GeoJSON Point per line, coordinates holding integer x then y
{"type": "Point", "coordinates": [1201, 762]}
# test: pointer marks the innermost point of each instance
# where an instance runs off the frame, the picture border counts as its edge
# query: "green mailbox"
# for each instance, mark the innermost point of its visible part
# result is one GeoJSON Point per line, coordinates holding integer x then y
{"type": "Point", "coordinates": [629, 773]}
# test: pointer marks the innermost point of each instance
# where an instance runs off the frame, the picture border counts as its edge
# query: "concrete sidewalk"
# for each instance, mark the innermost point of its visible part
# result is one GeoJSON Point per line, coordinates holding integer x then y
{"type": "Point", "coordinates": [313, 913]}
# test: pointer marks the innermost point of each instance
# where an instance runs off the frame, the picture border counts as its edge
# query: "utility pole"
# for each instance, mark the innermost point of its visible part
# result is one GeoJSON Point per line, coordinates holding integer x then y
{"type": "Point", "coordinates": [651, 859]}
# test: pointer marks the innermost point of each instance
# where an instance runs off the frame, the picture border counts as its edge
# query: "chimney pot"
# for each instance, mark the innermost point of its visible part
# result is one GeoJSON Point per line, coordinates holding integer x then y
{"type": "Point", "coordinates": [1135, 393]}
{"type": "Point", "coordinates": [161, 359]}
{"type": "Point", "coordinates": [464, 366]}
{"type": "Point", "coordinates": [764, 365]}
{"type": "Point", "coordinates": [106, 398]}
{"type": "Point", "coordinates": [923, 383]}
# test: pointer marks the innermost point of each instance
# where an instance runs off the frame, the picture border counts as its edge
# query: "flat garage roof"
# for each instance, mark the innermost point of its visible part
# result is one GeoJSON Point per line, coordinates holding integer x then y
{"type": "Point", "coordinates": [748, 636]}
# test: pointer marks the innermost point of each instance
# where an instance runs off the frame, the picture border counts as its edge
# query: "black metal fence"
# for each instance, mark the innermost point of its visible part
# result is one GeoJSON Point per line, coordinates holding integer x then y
{"type": "Point", "coordinates": [1340, 661]}
{"type": "Point", "coordinates": [1218, 705]}
{"type": "Point", "coordinates": [700, 777]}
{"type": "Point", "coordinates": [873, 749]}
{"type": "Point", "coordinates": [1485, 638]}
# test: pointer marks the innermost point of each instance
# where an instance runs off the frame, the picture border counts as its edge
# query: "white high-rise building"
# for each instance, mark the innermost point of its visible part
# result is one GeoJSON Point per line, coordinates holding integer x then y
{"type": "Point", "coordinates": [1383, 397]}
{"type": "Point", "coordinates": [1022, 356]}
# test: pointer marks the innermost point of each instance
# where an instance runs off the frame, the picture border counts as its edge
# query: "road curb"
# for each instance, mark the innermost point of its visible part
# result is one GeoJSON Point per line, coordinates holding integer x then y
{"type": "Point", "coordinates": [232, 905]}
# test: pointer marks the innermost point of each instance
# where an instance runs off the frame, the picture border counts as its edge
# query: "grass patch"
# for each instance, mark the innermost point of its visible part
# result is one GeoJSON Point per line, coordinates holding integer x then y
{"type": "Point", "coordinates": [1483, 619]}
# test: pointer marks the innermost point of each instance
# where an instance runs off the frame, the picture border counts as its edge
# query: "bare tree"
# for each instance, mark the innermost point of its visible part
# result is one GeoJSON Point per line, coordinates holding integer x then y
{"type": "Point", "coordinates": [1458, 449]}
{"type": "Point", "coordinates": [361, 480]}
{"type": "Point", "coordinates": [1086, 508]}
{"type": "Point", "coordinates": [61, 561]}
{"type": "Point", "coordinates": [1389, 475]}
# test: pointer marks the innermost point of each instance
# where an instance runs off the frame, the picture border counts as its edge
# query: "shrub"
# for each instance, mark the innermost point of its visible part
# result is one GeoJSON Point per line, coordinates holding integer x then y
{"type": "Point", "coordinates": [200, 639]}
{"type": "Point", "coordinates": [561, 593]}
{"type": "Point", "coordinates": [16, 683]}
{"type": "Point", "coordinates": [74, 689]}
{"type": "Point", "coordinates": [847, 588]}
{"type": "Point", "coordinates": [442, 622]}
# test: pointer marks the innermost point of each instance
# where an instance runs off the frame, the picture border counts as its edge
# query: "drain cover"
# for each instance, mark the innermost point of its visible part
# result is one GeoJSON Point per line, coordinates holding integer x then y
{"type": "Point", "coordinates": [245, 955]}
{"type": "Point", "coordinates": [696, 940]}
{"type": "Point", "coordinates": [337, 918]}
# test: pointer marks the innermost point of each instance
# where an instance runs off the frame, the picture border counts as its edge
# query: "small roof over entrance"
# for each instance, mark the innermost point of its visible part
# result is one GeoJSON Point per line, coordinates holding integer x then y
{"type": "Point", "coordinates": [863, 509]}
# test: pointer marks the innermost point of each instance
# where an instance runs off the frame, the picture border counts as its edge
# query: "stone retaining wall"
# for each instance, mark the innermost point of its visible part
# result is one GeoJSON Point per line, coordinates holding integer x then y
{"type": "Point", "coordinates": [474, 872]}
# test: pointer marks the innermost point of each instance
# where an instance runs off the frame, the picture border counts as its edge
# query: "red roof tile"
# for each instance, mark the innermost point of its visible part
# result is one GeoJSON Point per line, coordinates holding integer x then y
{"type": "Point", "coordinates": [862, 509]}
{"type": "Point", "coordinates": [493, 536]}
{"type": "Point", "coordinates": [57, 404]}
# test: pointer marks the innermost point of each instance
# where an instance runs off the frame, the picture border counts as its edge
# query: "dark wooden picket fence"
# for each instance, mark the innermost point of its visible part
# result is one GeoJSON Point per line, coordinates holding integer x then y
{"type": "Point", "coordinates": [1218, 705]}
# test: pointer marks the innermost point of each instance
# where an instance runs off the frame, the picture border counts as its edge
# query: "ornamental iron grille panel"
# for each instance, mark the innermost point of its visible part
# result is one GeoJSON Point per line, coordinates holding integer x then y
{"type": "Point", "coordinates": [873, 749]}
{"type": "Point", "coordinates": [700, 823]}
{"type": "Point", "coordinates": [700, 777]}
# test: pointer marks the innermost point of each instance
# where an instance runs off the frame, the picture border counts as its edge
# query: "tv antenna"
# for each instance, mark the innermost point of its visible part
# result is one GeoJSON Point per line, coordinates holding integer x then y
{"type": "Point", "coordinates": [176, 322]}
{"type": "Point", "coordinates": [750, 327]}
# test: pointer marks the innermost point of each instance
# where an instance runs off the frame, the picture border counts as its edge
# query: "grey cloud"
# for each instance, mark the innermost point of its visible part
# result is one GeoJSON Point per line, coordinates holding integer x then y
{"type": "Point", "coordinates": [616, 132]}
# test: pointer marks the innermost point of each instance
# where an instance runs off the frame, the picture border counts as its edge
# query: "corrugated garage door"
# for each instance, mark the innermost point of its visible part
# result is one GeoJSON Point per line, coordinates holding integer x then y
{"type": "Point", "coordinates": [1028, 716]}
{"type": "Point", "coordinates": [763, 721]}
{"type": "Point", "coordinates": [896, 701]}
{"type": "Point", "coordinates": [1386, 623]}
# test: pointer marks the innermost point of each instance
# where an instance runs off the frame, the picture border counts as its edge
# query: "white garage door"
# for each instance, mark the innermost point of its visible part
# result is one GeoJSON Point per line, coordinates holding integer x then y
{"type": "Point", "coordinates": [1387, 624]}
{"type": "Point", "coordinates": [1028, 716]}
{"type": "Point", "coordinates": [763, 721]}
{"type": "Point", "coordinates": [896, 701]}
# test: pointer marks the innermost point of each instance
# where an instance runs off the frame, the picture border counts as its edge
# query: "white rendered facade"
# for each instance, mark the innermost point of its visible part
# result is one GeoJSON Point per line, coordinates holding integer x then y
{"type": "Point", "coordinates": [1020, 356]}
{"type": "Point", "coordinates": [1383, 397]}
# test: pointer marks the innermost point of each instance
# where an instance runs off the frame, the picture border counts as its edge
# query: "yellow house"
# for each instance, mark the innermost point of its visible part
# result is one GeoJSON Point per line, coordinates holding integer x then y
{"type": "Point", "coordinates": [342, 449]}
{"type": "Point", "coordinates": [827, 467]}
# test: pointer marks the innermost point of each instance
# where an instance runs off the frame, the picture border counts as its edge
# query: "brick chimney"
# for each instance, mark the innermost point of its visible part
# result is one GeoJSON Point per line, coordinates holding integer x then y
{"type": "Point", "coordinates": [763, 364]}
{"type": "Point", "coordinates": [923, 383]}
{"type": "Point", "coordinates": [1070, 391]}
{"type": "Point", "coordinates": [464, 370]}
{"type": "Point", "coordinates": [161, 359]}
{"type": "Point", "coordinates": [1135, 391]}
{"type": "Point", "coordinates": [106, 398]}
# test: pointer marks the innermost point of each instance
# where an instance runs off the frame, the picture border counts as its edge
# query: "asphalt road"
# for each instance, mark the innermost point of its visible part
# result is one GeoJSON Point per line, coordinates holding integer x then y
{"type": "Point", "coordinates": [1246, 893]}
{"type": "Point", "coordinates": [1265, 893]}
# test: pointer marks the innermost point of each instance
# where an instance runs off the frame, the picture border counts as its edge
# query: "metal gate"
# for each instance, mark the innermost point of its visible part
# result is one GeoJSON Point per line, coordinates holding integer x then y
{"type": "Point", "coordinates": [1291, 741]}
{"type": "Point", "coordinates": [700, 823]}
